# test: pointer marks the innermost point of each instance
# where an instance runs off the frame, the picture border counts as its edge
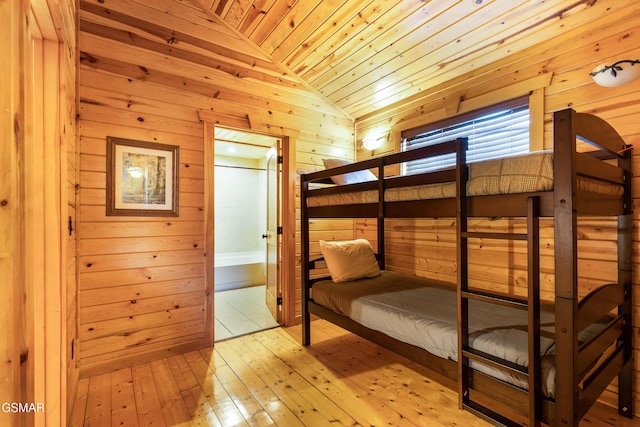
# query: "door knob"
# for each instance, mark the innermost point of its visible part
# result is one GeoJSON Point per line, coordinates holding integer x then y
{"type": "Point", "coordinates": [264, 236]}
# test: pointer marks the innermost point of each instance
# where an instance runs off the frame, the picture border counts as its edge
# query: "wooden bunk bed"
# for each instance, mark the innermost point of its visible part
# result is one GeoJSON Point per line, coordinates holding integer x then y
{"type": "Point", "coordinates": [583, 366]}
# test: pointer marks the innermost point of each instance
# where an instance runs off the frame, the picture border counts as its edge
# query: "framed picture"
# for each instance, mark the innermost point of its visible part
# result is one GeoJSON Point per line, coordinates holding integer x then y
{"type": "Point", "coordinates": [142, 178]}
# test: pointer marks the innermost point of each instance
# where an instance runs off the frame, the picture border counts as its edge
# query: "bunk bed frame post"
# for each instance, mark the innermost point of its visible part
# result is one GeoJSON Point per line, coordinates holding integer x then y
{"type": "Point", "coordinates": [533, 312]}
{"type": "Point", "coordinates": [463, 270]}
{"type": "Point", "coordinates": [306, 280]}
{"type": "Point", "coordinates": [566, 288]}
{"type": "Point", "coordinates": [625, 269]}
{"type": "Point", "coordinates": [381, 213]}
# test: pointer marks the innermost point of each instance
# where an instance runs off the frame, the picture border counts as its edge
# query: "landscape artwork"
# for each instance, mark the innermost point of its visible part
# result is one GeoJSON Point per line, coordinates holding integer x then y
{"type": "Point", "coordinates": [142, 178]}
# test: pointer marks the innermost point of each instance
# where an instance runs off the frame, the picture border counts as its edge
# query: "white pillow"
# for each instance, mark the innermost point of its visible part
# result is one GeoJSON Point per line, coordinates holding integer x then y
{"type": "Point", "coordinates": [350, 259]}
{"type": "Point", "coordinates": [348, 178]}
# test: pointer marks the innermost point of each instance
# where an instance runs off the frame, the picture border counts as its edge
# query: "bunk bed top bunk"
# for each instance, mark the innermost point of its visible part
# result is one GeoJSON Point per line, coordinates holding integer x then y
{"type": "Point", "coordinates": [575, 346]}
{"type": "Point", "coordinates": [498, 187]}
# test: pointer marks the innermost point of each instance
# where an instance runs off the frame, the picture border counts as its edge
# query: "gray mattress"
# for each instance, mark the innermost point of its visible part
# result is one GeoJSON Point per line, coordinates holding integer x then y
{"type": "Point", "coordinates": [423, 313]}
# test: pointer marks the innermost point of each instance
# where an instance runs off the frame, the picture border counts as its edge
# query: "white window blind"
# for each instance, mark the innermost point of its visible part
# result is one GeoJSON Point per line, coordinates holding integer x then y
{"type": "Point", "coordinates": [495, 134]}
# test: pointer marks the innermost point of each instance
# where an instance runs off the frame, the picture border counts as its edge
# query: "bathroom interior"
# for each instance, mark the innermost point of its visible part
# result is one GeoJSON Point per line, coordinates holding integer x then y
{"type": "Point", "coordinates": [240, 223]}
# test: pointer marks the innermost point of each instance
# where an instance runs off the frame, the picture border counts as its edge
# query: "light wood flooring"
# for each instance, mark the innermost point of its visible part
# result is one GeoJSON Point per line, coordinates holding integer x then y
{"type": "Point", "coordinates": [268, 378]}
{"type": "Point", "coordinates": [240, 312]}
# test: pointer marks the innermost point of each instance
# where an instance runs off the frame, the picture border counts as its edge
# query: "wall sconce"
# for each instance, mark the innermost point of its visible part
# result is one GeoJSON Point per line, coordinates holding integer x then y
{"type": "Point", "coordinates": [616, 74]}
{"type": "Point", "coordinates": [373, 142]}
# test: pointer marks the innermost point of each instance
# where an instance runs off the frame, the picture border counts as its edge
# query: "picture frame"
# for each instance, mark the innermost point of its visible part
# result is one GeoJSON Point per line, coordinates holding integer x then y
{"type": "Point", "coordinates": [142, 178]}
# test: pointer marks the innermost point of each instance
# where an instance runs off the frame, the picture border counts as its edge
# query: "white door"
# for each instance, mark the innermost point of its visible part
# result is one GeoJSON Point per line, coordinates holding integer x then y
{"type": "Point", "coordinates": [272, 236]}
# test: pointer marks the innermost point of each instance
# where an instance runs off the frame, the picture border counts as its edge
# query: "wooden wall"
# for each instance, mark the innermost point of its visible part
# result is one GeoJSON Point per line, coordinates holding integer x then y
{"type": "Point", "coordinates": [142, 290]}
{"type": "Point", "coordinates": [37, 203]}
{"type": "Point", "coordinates": [12, 264]}
{"type": "Point", "coordinates": [427, 247]}
{"type": "Point", "coordinates": [66, 18]}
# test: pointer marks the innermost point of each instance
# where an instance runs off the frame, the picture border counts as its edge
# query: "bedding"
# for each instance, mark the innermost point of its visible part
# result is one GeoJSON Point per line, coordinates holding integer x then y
{"type": "Point", "coordinates": [529, 173]}
{"type": "Point", "coordinates": [348, 178]}
{"type": "Point", "coordinates": [350, 260]}
{"type": "Point", "coordinates": [423, 313]}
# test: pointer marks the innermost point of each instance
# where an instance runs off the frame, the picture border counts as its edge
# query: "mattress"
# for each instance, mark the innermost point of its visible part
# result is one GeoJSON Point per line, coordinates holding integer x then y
{"type": "Point", "coordinates": [528, 173]}
{"type": "Point", "coordinates": [423, 313]}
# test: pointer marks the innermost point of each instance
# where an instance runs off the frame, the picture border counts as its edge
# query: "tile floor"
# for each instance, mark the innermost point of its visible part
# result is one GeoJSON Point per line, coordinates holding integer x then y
{"type": "Point", "coordinates": [241, 311]}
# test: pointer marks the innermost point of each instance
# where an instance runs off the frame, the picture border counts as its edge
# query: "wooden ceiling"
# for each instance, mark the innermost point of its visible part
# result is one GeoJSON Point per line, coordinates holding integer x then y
{"type": "Point", "coordinates": [338, 56]}
{"type": "Point", "coordinates": [364, 55]}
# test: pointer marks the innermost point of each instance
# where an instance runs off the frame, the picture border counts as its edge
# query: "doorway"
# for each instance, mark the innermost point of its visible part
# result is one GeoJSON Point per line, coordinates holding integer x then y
{"type": "Point", "coordinates": [246, 217]}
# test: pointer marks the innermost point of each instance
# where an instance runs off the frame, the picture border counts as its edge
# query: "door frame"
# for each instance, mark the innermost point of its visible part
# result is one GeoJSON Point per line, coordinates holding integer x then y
{"type": "Point", "coordinates": [289, 137]}
{"type": "Point", "coordinates": [34, 248]}
{"type": "Point", "coordinates": [277, 239]}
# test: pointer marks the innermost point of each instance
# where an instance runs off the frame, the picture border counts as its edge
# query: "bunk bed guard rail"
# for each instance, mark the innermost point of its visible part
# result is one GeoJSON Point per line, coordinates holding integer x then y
{"type": "Point", "coordinates": [458, 174]}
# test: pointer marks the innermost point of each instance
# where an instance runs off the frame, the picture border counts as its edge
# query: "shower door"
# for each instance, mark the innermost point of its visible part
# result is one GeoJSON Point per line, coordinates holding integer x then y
{"type": "Point", "coordinates": [273, 235]}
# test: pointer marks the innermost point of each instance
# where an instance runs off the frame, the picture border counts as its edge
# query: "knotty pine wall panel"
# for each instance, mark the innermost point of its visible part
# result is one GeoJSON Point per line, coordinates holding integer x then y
{"type": "Point", "coordinates": [141, 279]}
{"type": "Point", "coordinates": [143, 276]}
{"type": "Point", "coordinates": [65, 14]}
{"type": "Point", "coordinates": [427, 247]}
{"type": "Point", "coordinates": [38, 209]}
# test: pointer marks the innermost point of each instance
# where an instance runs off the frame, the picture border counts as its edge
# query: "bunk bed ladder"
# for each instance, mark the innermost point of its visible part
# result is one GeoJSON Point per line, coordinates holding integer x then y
{"type": "Point", "coordinates": [470, 398]}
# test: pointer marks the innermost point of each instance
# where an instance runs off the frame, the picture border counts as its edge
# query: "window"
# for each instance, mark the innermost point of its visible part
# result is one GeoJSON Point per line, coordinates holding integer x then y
{"type": "Point", "coordinates": [499, 131]}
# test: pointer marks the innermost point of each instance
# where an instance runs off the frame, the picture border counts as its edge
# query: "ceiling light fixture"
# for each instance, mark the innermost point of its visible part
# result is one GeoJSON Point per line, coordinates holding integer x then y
{"type": "Point", "coordinates": [372, 142]}
{"type": "Point", "coordinates": [617, 74]}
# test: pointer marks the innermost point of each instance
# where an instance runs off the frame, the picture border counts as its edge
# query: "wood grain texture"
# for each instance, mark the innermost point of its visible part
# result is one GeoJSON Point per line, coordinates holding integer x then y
{"type": "Point", "coordinates": [37, 202]}
{"type": "Point", "coordinates": [426, 248]}
{"type": "Point", "coordinates": [11, 261]}
{"type": "Point", "coordinates": [148, 67]}
{"type": "Point", "coordinates": [151, 71]}
{"type": "Point", "coordinates": [366, 56]}
{"type": "Point", "coordinates": [268, 378]}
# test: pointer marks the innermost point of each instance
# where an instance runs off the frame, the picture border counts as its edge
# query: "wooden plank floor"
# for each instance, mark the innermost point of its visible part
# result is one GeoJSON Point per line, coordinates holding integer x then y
{"type": "Point", "coordinates": [268, 378]}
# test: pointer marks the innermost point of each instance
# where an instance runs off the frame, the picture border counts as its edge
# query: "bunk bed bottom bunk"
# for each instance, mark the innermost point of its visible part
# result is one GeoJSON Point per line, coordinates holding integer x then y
{"type": "Point", "coordinates": [417, 318]}
{"type": "Point", "coordinates": [445, 371]}
{"type": "Point", "coordinates": [423, 313]}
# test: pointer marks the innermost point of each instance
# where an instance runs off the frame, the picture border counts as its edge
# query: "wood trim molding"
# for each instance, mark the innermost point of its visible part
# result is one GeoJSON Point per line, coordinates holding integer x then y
{"type": "Point", "coordinates": [536, 125]}
{"type": "Point", "coordinates": [289, 228]}
{"type": "Point", "coordinates": [209, 235]}
{"type": "Point", "coordinates": [289, 138]}
{"type": "Point", "coordinates": [504, 94]}
{"type": "Point", "coordinates": [238, 122]}
{"type": "Point", "coordinates": [456, 103]}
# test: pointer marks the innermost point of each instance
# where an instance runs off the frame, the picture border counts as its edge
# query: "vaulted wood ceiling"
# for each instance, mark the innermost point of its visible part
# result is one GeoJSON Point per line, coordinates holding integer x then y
{"type": "Point", "coordinates": [351, 56]}
{"type": "Point", "coordinates": [365, 55]}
